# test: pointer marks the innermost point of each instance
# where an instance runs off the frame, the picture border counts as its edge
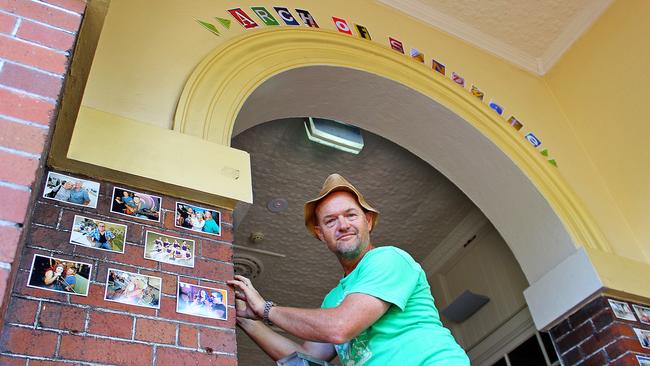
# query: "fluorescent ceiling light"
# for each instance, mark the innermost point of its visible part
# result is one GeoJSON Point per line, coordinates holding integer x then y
{"type": "Point", "coordinates": [334, 134]}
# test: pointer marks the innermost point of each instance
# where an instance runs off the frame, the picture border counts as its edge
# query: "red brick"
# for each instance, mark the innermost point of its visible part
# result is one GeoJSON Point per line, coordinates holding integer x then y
{"type": "Point", "coordinates": [217, 340]}
{"type": "Point", "coordinates": [134, 233]}
{"type": "Point", "coordinates": [156, 331]}
{"type": "Point", "coordinates": [33, 362]}
{"type": "Point", "coordinates": [50, 238]}
{"type": "Point", "coordinates": [623, 345]}
{"type": "Point", "coordinates": [62, 317]}
{"type": "Point", "coordinates": [598, 359]}
{"type": "Point", "coordinates": [45, 214]}
{"type": "Point", "coordinates": [627, 360]}
{"type": "Point", "coordinates": [21, 137]}
{"type": "Point", "coordinates": [28, 341]}
{"type": "Point", "coordinates": [9, 237]}
{"type": "Point", "coordinates": [576, 336]}
{"type": "Point", "coordinates": [134, 255]}
{"type": "Point", "coordinates": [77, 6]}
{"type": "Point", "coordinates": [226, 216]}
{"type": "Point", "coordinates": [13, 204]}
{"type": "Point", "coordinates": [24, 107]}
{"type": "Point", "coordinates": [10, 361]}
{"type": "Point", "coordinates": [221, 252]}
{"type": "Point", "coordinates": [203, 269]}
{"type": "Point", "coordinates": [21, 311]}
{"type": "Point", "coordinates": [104, 351]}
{"type": "Point", "coordinates": [17, 169]}
{"type": "Point", "coordinates": [42, 13]}
{"type": "Point", "coordinates": [188, 336]}
{"type": "Point", "coordinates": [28, 255]}
{"type": "Point", "coordinates": [173, 357]}
{"type": "Point", "coordinates": [572, 357]}
{"type": "Point", "coordinates": [111, 324]}
{"type": "Point", "coordinates": [46, 36]}
{"type": "Point", "coordinates": [7, 23]}
{"type": "Point", "coordinates": [31, 81]}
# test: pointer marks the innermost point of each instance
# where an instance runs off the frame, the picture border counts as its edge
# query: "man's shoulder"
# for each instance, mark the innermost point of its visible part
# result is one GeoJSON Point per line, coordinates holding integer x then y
{"type": "Point", "coordinates": [390, 251]}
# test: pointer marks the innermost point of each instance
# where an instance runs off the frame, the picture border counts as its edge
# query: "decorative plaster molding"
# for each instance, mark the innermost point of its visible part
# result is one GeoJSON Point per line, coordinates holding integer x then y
{"type": "Point", "coordinates": [495, 46]}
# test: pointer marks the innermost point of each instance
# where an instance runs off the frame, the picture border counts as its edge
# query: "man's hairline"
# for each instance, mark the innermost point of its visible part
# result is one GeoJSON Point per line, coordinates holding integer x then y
{"type": "Point", "coordinates": [318, 203]}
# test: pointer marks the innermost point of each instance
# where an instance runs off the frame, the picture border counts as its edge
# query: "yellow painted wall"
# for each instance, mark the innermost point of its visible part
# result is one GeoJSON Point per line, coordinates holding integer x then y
{"type": "Point", "coordinates": [602, 85]}
{"type": "Point", "coordinates": [146, 53]}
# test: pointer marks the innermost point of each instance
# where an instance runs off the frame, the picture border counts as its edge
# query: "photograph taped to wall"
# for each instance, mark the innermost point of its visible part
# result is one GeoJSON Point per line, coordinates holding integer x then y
{"type": "Point", "coordinates": [135, 204]}
{"type": "Point", "coordinates": [75, 191]}
{"type": "Point", "coordinates": [644, 337]}
{"type": "Point", "coordinates": [59, 275]}
{"type": "Point", "coordinates": [98, 234]}
{"type": "Point", "coordinates": [202, 301]}
{"type": "Point", "coordinates": [643, 313]}
{"type": "Point", "coordinates": [198, 218]}
{"type": "Point", "coordinates": [621, 309]}
{"type": "Point", "coordinates": [643, 361]}
{"type": "Point", "coordinates": [133, 288]}
{"type": "Point", "coordinates": [169, 249]}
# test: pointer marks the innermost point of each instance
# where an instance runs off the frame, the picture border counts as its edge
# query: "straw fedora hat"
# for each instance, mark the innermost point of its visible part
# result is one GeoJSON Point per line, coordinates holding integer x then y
{"type": "Point", "coordinates": [333, 183]}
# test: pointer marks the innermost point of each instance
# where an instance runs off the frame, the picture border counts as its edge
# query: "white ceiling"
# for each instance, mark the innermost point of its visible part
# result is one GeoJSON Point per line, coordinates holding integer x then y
{"type": "Point", "coordinates": [532, 34]}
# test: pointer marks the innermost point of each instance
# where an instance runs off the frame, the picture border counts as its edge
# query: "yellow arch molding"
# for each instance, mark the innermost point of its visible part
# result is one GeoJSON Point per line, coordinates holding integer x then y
{"type": "Point", "coordinates": [221, 83]}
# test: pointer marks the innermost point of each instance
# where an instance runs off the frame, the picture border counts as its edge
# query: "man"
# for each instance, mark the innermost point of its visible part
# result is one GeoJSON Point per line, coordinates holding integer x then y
{"type": "Point", "coordinates": [63, 192]}
{"type": "Point", "coordinates": [102, 236]}
{"type": "Point", "coordinates": [79, 195]}
{"type": "Point", "coordinates": [381, 312]}
{"type": "Point", "coordinates": [210, 226]}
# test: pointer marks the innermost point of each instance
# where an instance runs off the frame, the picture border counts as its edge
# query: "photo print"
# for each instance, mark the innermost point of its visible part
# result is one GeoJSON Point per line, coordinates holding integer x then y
{"type": "Point", "coordinates": [198, 218]}
{"type": "Point", "coordinates": [133, 288]}
{"type": "Point", "coordinates": [71, 190]}
{"type": "Point", "coordinates": [644, 337]}
{"type": "Point", "coordinates": [643, 313]}
{"type": "Point", "coordinates": [643, 361]}
{"type": "Point", "coordinates": [135, 204]}
{"type": "Point", "coordinates": [59, 275]}
{"type": "Point", "coordinates": [98, 234]}
{"type": "Point", "coordinates": [169, 249]}
{"type": "Point", "coordinates": [202, 301]}
{"type": "Point", "coordinates": [621, 310]}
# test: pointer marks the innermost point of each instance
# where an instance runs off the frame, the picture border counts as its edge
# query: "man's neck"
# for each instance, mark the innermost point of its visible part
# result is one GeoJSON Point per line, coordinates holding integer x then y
{"type": "Point", "coordinates": [350, 264]}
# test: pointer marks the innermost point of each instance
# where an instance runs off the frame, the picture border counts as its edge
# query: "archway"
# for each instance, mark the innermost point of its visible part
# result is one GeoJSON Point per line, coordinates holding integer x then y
{"type": "Point", "coordinates": [274, 74]}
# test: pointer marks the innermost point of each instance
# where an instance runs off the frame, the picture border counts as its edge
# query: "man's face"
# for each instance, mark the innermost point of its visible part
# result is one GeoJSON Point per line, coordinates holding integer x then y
{"type": "Point", "coordinates": [101, 227]}
{"type": "Point", "coordinates": [343, 225]}
{"type": "Point", "coordinates": [77, 185]}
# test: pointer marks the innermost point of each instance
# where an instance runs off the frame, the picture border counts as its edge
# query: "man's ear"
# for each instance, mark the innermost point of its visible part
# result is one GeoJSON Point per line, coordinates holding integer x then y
{"type": "Point", "coordinates": [369, 220]}
{"type": "Point", "coordinates": [319, 233]}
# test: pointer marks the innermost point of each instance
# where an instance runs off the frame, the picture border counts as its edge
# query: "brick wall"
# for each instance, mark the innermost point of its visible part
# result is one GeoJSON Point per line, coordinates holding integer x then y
{"type": "Point", "coordinates": [43, 326]}
{"type": "Point", "coordinates": [594, 336]}
{"type": "Point", "coordinates": [36, 40]}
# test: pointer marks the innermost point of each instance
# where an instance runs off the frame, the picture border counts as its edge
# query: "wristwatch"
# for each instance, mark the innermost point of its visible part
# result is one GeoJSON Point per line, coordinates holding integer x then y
{"type": "Point", "coordinates": [265, 315]}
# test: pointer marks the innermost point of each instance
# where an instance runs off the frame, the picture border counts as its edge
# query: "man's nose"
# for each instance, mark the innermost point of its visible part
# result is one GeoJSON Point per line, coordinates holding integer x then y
{"type": "Point", "coordinates": [343, 222]}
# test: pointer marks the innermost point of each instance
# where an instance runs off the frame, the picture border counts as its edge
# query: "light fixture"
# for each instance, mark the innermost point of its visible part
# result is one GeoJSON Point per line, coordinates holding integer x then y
{"type": "Point", "coordinates": [334, 134]}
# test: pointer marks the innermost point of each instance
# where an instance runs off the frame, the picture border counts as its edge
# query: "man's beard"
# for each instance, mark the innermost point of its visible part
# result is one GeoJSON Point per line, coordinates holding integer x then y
{"type": "Point", "coordinates": [351, 249]}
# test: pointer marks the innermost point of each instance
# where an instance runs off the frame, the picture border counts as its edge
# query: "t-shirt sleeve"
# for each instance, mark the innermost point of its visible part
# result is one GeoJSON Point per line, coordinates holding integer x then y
{"type": "Point", "coordinates": [389, 276]}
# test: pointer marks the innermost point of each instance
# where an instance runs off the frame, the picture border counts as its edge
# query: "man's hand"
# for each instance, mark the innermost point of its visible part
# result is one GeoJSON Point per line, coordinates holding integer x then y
{"type": "Point", "coordinates": [249, 303]}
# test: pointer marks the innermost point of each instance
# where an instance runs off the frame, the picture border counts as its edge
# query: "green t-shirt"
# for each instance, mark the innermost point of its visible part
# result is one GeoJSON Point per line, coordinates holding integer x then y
{"type": "Point", "coordinates": [410, 332]}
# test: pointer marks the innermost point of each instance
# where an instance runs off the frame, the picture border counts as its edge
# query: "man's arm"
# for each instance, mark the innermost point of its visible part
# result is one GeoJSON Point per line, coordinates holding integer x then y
{"type": "Point", "coordinates": [278, 346]}
{"type": "Point", "coordinates": [335, 325]}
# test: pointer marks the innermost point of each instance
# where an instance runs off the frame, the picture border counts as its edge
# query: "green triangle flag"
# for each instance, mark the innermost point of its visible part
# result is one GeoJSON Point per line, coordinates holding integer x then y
{"type": "Point", "coordinates": [208, 26]}
{"type": "Point", "coordinates": [545, 152]}
{"type": "Point", "coordinates": [553, 162]}
{"type": "Point", "coordinates": [224, 22]}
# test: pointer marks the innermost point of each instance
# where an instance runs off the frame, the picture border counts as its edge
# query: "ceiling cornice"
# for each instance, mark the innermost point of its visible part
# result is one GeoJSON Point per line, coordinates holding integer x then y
{"type": "Point", "coordinates": [497, 47]}
{"type": "Point", "coordinates": [579, 25]}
